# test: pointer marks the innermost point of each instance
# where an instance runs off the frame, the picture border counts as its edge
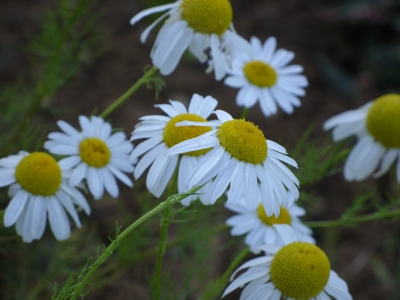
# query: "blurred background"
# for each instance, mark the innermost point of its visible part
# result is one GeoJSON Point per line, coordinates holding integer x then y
{"type": "Point", "coordinates": [350, 51]}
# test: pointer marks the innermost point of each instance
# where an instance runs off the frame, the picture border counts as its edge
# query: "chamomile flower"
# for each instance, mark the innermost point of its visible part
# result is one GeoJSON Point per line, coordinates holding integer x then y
{"type": "Point", "coordinates": [95, 154]}
{"type": "Point", "coordinates": [39, 190]}
{"type": "Point", "coordinates": [162, 134]}
{"type": "Point", "coordinates": [377, 127]}
{"type": "Point", "coordinates": [195, 25]}
{"type": "Point", "coordinates": [242, 158]}
{"type": "Point", "coordinates": [265, 77]}
{"type": "Point", "coordinates": [261, 229]}
{"type": "Point", "coordinates": [297, 270]}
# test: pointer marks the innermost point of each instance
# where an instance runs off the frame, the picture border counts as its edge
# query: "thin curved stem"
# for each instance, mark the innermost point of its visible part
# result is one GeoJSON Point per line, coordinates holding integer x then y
{"type": "Point", "coordinates": [111, 248]}
{"type": "Point", "coordinates": [244, 113]}
{"type": "Point", "coordinates": [354, 220]}
{"type": "Point", "coordinates": [216, 288]}
{"type": "Point", "coordinates": [162, 243]}
{"type": "Point", "coordinates": [144, 79]}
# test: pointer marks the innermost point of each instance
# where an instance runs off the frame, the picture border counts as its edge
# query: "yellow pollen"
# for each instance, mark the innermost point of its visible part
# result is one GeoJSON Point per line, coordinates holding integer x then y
{"type": "Point", "coordinates": [300, 270]}
{"type": "Point", "coordinates": [207, 16]}
{"type": "Point", "coordinates": [39, 174]}
{"type": "Point", "coordinates": [243, 140]}
{"type": "Point", "coordinates": [260, 74]}
{"type": "Point", "coordinates": [176, 134]}
{"type": "Point", "coordinates": [383, 120]}
{"type": "Point", "coordinates": [94, 152]}
{"type": "Point", "coordinates": [284, 217]}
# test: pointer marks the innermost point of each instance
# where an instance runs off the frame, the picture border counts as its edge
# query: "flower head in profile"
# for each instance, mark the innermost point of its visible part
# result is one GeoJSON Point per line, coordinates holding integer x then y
{"type": "Point", "coordinates": [261, 229]}
{"type": "Point", "coordinates": [95, 154]}
{"type": "Point", "coordinates": [161, 134]}
{"type": "Point", "coordinates": [265, 77]}
{"type": "Point", "coordinates": [297, 270]}
{"type": "Point", "coordinates": [39, 190]}
{"type": "Point", "coordinates": [243, 159]}
{"type": "Point", "coordinates": [377, 127]}
{"type": "Point", "coordinates": [195, 25]}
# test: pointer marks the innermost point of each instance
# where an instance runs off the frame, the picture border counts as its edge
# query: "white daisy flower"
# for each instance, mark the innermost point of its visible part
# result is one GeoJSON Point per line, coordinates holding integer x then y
{"type": "Point", "coordinates": [95, 154]}
{"type": "Point", "coordinates": [39, 189]}
{"type": "Point", "coordinates": [161, 134]}
{"type": "Point", "coordinates": [242, 158]}
{"type": "Point", "coordinates": [265, 77]}
{"type": "Point", "coordinates": [377, 127]}
{"type": "Point", "coordinates": [297, 270]}
{"type": "Point", "coordinates": [195, 25]}
{"type": "Point", "coordinates": [261, 229]}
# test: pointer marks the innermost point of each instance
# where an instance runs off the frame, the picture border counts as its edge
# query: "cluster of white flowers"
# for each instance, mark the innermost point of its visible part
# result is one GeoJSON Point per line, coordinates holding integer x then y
{"type": "Point", "coordinates": [230, 157]}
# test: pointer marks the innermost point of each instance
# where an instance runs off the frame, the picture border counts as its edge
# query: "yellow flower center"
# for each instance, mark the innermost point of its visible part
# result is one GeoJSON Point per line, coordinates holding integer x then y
{"type": "Point", "coordinates": [383, 120]}
{"type": "Point", "coordinates": [300, 270]}
{"type": "Point", "coordinates": [207, 16]}
{"type": "Point", "coordinates": [284, 217]}
{"type": "Point", "coordinates": [260, 74]}
{"type": "Point", "coordinates": [174, 135]}
{"type": "Point", "coordinates": [94, 152]}
{"type": "Point", "coordinates": [243, 140]}
{"type": "Point", "coordinates": [39, 174]}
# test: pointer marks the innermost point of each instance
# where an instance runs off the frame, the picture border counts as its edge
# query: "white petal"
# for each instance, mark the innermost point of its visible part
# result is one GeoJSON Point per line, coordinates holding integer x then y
{"type": "Point", "coordinates": [66, 202]}
{"type": "Point", "coordinates": [15, 208]}
{"type": "Point", "coordinates": [387, 161]}
{"type": "Point", "coordinates": [251, 187]}
{"type": "Point", "coordinates": [276, 146]}
{"type": "Point", "coordinates": [58, 219]}
{"type": "Point", "coordinates": [115, 139]}
{"type": "Point", "coordinates": [63, 150]}
{"type": "Point", "coordinates": [269, 48]}
{"type": "Point", "coordinates": [286, 233]}
{"type": "Point", "coordinates": [150, 11]}
{"type": "Point", "coordinates": [165, 176]}
{"type": "Point", "coordinates": [217, 57]}
{"type": "Point", "coordinates": [172, 40]}
{"type": "Point", "coordinates": [7, 179]}
{"type": "Point", "coordinates": [69, 162]}
{"type": "Point", "coordinates": [346, 117]}
{"type": "Point", "coordinates": [223, 116]}
{"type": "Point", "coordinates": [178, 106]}
{"type": "Point", "coordinates": [109, 182]}
{"type": "Point", "coordinates": [105, 131]}
{"type": "Point", "coordinates": [86, 125]}
{"type": "Point", "coordinates": [94, 183]}
{"type": "Point", "coordinates": [267, 102]}
{"type": "Point", "coordinates": [68, 129]}
{"type": "Point", "coordinates": [148, 159]}
{"type": "Point", "coordinates": [121, 176]}
{"type": "Point", "coordinates": [78, 174]}
{"type": "Point", "coordinates": [38, 221]}
{"type": "Point", "coordinates": [204, 141]}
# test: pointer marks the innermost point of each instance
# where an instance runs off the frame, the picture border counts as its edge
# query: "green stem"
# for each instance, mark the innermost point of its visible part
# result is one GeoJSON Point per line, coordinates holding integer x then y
{"type": "Point", "coordinates": [162, 243]}
{"type": "Point", "coordinates": [129, 92]}
{"type": "Point", "coordinates": [354, 220]}
{"type": "Point", "coordinates": [244, 113]}
{"type": "Point", "coordinates": [111, 248]}
{"type": "Point", "coordinates": [216, 288]}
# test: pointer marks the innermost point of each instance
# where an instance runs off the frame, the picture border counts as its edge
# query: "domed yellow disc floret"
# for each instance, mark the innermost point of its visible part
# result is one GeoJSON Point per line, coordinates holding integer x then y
{"type": "Point", "coordinates": [243, 140]}
{"type": "Point", "coordinates": [383, 120]}
{"type": "Point", "coordinates": [39, 174]}
{"type": "Point", "coordinates": [175, 134]}
{"type": "Point", "coordinates": [207, 16]}
{"type": "Point", "coordinates": [284, 217]}
{"type": "Point", "coordinates": [260, 74]}
{"type": "Point", "coordinates": [94, 152]}
{"type": "Point", "coordinates": [300, 270]}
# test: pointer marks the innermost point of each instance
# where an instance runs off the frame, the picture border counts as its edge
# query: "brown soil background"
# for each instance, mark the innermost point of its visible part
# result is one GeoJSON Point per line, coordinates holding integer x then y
{"type": "Point", "coordinates": [312, 29]}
